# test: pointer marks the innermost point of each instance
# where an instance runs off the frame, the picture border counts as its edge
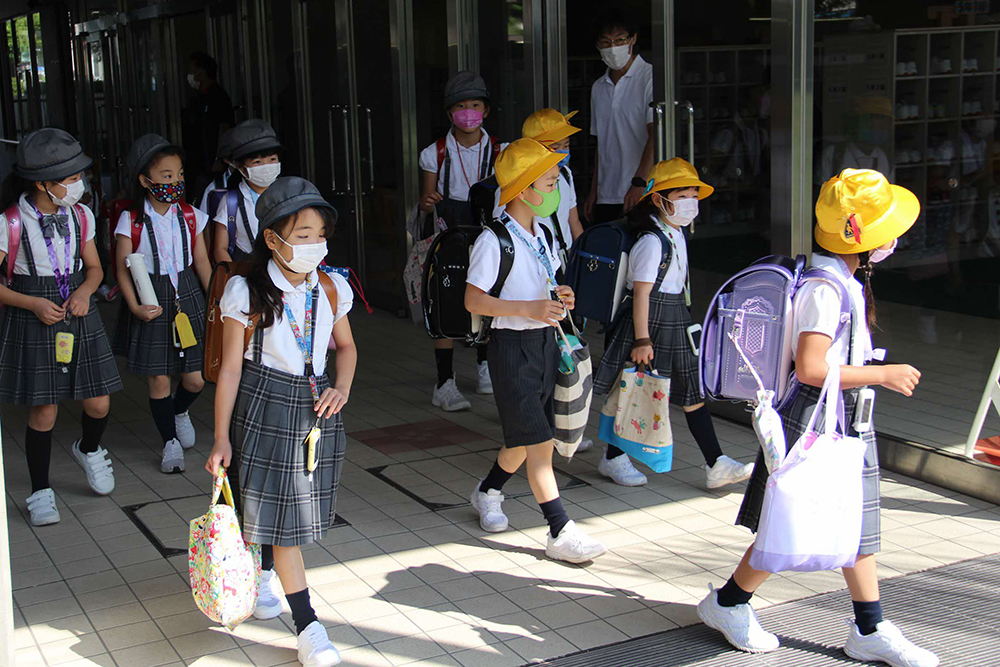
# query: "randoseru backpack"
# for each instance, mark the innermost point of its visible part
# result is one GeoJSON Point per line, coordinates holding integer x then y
{"type": "Point", "coordinates": [482, 196]}
{"type": "Point", "coordinates": [598, 268]}
{"type": "Point", "coordinates": [747, 339]}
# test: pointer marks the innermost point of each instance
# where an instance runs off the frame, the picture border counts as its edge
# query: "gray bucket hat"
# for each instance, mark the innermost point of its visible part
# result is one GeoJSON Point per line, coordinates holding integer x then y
{"type": "Point", "coordinates": [465, 86]}
{"type": "Point", "coordinates": [225, 149]}
{"type": "Point", "coordinates": [252, 136]}
{"type": "Point", "coordinates": [50, 154]}
{"type": "Point", "coordinates": [288, 195]}
{"type": "Point", "coordinates": [142, 151]}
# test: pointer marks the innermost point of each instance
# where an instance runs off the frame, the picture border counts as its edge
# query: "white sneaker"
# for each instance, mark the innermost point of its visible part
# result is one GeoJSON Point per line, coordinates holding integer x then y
{"type": "Point", "coordinates": [727, 471]}
{"type": "Point", "coordinates": [887, 644]}
{"type": "Point", "coordinates": [173, 457]}
{"type": "Point", "coordinates": [42, 508]}
{"type": "Point", "coordinates": [185, 430]}
{"type": "Point", "coordinates": [100, 474]}
{"type": "Point", "coordinates": [488, 505]}
{"type": "Point", "coordinates": [315, 648]}
{"type": "Point", "coordinates": [449, 398]}
{"type": "Point", "coordinates": [738, 624]}
{"type": "Point", "coordinates": [268, 602]}
{"type": "Point", "coordinates": [585, 444]}
{"type": "Point", "coordinates": [485, 385]}
{"type": "Point", "coordinates": [573, 546]}
{"type": "Point", "coordinates": [621, 471]}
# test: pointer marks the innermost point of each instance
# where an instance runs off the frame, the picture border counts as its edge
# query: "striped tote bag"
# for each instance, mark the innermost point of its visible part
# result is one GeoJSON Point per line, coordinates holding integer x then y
{"type": "Point", "coordinates": [574, 388]}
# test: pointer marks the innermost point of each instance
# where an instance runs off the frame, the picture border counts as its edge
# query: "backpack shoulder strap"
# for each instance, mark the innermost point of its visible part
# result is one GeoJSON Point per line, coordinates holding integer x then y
{"type": "Point", "coordinates": [326, 282]}
{"type": "Point", "coordinates": [506, 254]}
{"type": "Point", "coordinates": [549, 239]}
{"type": "Point", "coordinates": [84, 224]}
{"type": "Point", "coordinates": [444, 161]}
{"type": "Point", "coordinates": [666, 256]}
{"type": "Point", "coordinates": [441, 146]}
{"type": "Point", "coordinates": [232, 206]}
{"type": "Point", "coordinates": [827, 278]}
{"type": "Point", "coordinates": [187, 211]}
{"type": "Point", "coordinates": [136, 229]}
{"type": "Point", "coordinates": [13, 215]}
{"type": "Point", "coordinates": [248, 332]}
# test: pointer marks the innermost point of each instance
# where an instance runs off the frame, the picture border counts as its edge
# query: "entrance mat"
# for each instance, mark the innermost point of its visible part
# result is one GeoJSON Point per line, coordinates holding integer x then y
{"type": "Point", "coordinates": [417, 436]}
{"type": "Point", "coordinates": [953, 610]}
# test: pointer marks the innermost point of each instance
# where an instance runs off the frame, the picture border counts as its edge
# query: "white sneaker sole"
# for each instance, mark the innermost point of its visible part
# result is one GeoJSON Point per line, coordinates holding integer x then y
{"type": "Point", "coordinates": [484, 391]}
{"type": "Point", "coordinates": [451, 408]}
{"type": "Point", "coordinates": [174, 469]}
{"type": "Point", "coordinates": [576, 560]}
{"type": "Point", "coordinates": [725, 633]}
{"type": "Point", "coordinates": [719, 483]}
{"type": "Point", "coordinates": [621, 482]}
{"type": "Point", "coordinates": [871, 657]}
{"type": "Point", "coordinates": [46, 522]}
{"type": "Point", "coordinates": [262, 613]}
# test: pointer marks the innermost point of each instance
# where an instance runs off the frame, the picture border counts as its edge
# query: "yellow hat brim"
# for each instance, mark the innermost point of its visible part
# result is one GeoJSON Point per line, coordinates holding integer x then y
{"type": "Point", "coordinates": [893, 224]}
{"type": "Point", "coordinates": [704, 189]}
{"type": "Point", "coordinates": [536, 171]}
{"type": "Point", "coordinates": [556, 134]}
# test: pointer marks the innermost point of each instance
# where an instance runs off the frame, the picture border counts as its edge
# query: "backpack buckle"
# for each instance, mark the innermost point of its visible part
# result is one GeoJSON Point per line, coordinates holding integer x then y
{"type": "Point", "coordinates": [592, 264]}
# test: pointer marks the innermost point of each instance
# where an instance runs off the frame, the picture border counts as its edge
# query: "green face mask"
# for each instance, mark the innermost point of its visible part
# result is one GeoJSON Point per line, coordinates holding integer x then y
{"type": "Point", "coordinates": [550, 202]}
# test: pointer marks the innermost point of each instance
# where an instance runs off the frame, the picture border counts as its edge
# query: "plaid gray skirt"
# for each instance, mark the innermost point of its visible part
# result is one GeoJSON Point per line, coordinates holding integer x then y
{"type": "Point", "coordinates": [273, 415]}
{"type": "Point", "coordinates": [148, 347]}
{"type": "Point", "coordinates": [523, 367]}
{"type": "Point", "coordinates": [795, 419]}
{"type": "Point", "coordinates": [29, 373]}
{"type": "Point", "coordinates": [669, 319]}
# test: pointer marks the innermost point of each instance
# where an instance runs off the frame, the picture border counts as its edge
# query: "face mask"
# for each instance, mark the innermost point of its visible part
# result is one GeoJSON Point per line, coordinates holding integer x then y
{"type": "Point", "coordinates": [305, 257]}
{"type": "Point", "coordinates": [685, 211]}
{"type": "Point", "coordinates": [879, 255]}
{"type": "Point", "coordinates": [615, 57]}
{"type": "Point", "coordinates": [565, 161]}
{"type": "Point", "coordinates": [550, 202]}
{"type": "Point", "coordinates": [263, 175]}
{"type": "Point", "coordinates": [467, 119]}
{"type": "Point", "coordinates": [74, 192]}
{"type": "Point", "coordinates": [167, 193]}
{"type": "Point", "coordinates": [193, 82]}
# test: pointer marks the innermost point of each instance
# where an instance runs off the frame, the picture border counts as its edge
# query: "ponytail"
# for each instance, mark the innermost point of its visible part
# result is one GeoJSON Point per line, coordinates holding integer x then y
{"type": "Point", "coordinates": [871, 314]}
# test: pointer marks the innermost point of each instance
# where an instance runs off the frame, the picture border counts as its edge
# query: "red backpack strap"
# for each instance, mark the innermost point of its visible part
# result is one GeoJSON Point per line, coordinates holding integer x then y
{"type": "Point", "coordinates": [84, 224]}
{"type": "Point", "coordinates": [192, 222]}
{"type": "Point", "coordinates": [135, 228]}
{"type": "Point", "coordinates": [13, 215]}
{"type": "Point", "coordinates": [442, 151]}
{"type": "Point", "coordinates": [495, 143]}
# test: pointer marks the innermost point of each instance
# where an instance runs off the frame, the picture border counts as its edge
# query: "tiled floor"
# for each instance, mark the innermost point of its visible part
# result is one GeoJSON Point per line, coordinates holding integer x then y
{"type": "Point", "coordinates": [409, 577]}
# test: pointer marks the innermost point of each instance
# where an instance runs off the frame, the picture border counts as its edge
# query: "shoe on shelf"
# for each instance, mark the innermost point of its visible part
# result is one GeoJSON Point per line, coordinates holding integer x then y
{"type": "Point", "coordinates": [739, 624]}
{"type": "Point", "coordinates": [727, 471]}
{"type": "Point", "coordinates": [315, 647]}
{"type": "Point", "coordinates": [489, 506]}
{"type": "Point", "coordinates": [185, 430]}
{"type": "Point", "coordinates": [42, 508]}
{"type": "Point", "coordinates": [449, 398]}
{"type": "Point", "coordinates": [100, 474]}
{"type": "Point", "coordinates": [485, 385]}
{"type": "Point", "coordinates": [173, 457]}
{"type": "Point", "coordinates": [268, 602]}
{"type": "Point", "coordinates": [573, 545]}
{"type": "Point", "coordinates": [621, 471]}
{"type": "Point", "coordinates": [887, 644]}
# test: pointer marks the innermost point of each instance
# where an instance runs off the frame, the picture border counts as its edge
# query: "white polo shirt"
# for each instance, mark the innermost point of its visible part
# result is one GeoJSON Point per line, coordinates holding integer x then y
{"type": "Point", "coordinates": [644, 261]}
{"type": "Point", "coordinates": [166, 226]}
{"type": "Point", "coordinates": [29, 225]}
{"type": "Point", "coordinates": [619, 114]}
{"type": "Point", "coordinates": [468, 159]}
{"type": "Point", "coordinates": [243, 242]}
{"type": "Point", "coordinates": [527, 281]}
{"type": "Point", "coordinates": [567, 202]}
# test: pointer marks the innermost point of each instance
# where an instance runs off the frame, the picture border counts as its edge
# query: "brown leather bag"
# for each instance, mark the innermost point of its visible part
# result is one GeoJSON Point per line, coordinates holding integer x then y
{"type": "Point", "coordinates": [221, 274]}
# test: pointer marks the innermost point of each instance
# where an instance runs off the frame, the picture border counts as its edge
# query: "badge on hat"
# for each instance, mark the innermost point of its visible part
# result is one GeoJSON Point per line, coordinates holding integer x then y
{"type": "Point", "coordinates": [852, 230]}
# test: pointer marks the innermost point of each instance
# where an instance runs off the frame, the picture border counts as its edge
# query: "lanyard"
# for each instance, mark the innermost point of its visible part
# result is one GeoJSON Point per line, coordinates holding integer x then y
{"type": "Point", "coordinates": [62, 276]}
{"type": "Point", "coordinates": [542, 256]}
{"type": "Point", "coordinates": [687, 274]}
{"type": "Point", "coordinates": [305, 343]}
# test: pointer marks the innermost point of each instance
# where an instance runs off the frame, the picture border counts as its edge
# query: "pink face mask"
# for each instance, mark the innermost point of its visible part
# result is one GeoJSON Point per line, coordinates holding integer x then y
{"type": "Point", "coordinates": [467, 119]}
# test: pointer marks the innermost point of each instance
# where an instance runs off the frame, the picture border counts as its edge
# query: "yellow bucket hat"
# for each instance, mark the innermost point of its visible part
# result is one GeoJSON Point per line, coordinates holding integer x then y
{"type": "Point", "coordinates": [859, 210]}
{"type": "Point", "coordinates": [675, 173]}
{"type": "Point", "coordinates": [548, 126]}
{"type": "Point", "coordinates": [520, 164]}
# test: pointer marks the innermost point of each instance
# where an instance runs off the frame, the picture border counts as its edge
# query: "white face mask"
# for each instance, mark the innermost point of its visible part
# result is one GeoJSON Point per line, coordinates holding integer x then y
{"type": "Point", "coordinates": [263, 175]}
{"type": "Point", "coordinates": [193, 82]}
{"type": "Point", "coordinates": [305, 257]}
{"type": "Point", "coordinates": [74, 192]}
{"type": "Point", "coordinates": [880, 255]}
{"type": "Point", "coordinates": [615, 57]}
{"type": "Point", "coordinates": [685, 211]}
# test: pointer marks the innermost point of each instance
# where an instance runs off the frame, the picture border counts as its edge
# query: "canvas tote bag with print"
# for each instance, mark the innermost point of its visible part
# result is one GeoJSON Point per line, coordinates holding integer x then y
{"type": "Point", "coordinates": [574, 388]}
{"type": "Point", "coordinates": [639, 423]}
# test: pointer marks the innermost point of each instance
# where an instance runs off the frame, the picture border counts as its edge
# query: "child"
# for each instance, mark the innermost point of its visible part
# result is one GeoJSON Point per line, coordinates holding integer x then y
{"type": "Point", "coordinates": [273, 393]}
{"type": "Point", "coordinates": [450, 166]}
{"type": "Point", "coordinates": [523, 354]}
{"type": "Point", "coordinates": [256, 153]}
{"type": "Point", "coordinates": [859, 217]}
{"type": "Point", "coordinates": [51, 295]}
{"type": "Point", "coordinates": [221, 180]}
{"type": "Point", "coordinates": [169, 237]}
{"type": "Point", "coordinates": [653, 330]}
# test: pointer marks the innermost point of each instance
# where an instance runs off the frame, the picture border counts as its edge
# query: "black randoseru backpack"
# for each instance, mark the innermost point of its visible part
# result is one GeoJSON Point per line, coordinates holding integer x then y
{"type": "Point", "coordinates": [445, 272]}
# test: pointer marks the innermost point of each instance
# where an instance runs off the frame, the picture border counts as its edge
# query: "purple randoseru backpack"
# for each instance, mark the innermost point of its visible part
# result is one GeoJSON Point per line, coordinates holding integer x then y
{"type": "Point", "coordinates": [752, 313]}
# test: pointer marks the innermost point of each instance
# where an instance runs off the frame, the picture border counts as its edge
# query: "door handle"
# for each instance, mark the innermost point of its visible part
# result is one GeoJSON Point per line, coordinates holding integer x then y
{"type": "Point", "coordinates": [347, 136]}
{"type": "Point", "coordinates": [659, 130]}
{"type": "Point", "coordinates": [371, 154]}
{"type": "Point", "coordinates": [686, 104]}
{"type": "Point", "coordinates": [333, 159]}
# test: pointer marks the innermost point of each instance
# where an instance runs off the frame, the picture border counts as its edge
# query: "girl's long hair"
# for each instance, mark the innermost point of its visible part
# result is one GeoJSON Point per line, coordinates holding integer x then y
{"type": "Point", "coordinates": [139, 193]}
{"type": "Point", "coordinates": [265, 297]}
{"type": "Point", "coordinates": [871, 311]}
{"type": "Point", "coordinates": [641, 218]}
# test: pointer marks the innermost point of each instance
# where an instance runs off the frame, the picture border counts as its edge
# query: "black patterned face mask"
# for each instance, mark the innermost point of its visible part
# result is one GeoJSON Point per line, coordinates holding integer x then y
{"type": "Point", "coordinates": [167, 193]}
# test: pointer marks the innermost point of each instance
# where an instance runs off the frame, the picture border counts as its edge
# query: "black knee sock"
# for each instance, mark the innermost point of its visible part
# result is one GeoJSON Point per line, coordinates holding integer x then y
{"type": "Point", "coordinates": [612, 452]}
{"type": "Point", "coordinates": [163, 415]}
{"type": "Point", "coordinates": [302, 612]}
{"type": "Point", "coordinates": [445, 365]}
{"type": "Point", "coordinates": [38, 451]}
{"type": "Point", "coordinates": [555, 515]}
{"type": "Point", "coordinates": [183, 399]}
{"type": "Point", "coordinates": [867, 615]}
{"type": "Point", "coordinates": [93, 430]}
{"type": "Point", "coordinates": [481, 354]}
{"type": "Point", "coordinates": [731, 594]}
{"type": "Point", "coordinates": [266, 557]}
{"type": "Point", "coordinates": [700, 424]}
{"type": "Point", "coordinates": [496, 479]}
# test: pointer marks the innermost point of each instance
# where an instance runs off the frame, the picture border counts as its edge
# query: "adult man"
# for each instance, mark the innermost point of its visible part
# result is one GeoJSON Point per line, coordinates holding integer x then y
{"type": "Point", "coordinates": [622, 121]}
{"type": "Point", "coordinates": [212, 113]}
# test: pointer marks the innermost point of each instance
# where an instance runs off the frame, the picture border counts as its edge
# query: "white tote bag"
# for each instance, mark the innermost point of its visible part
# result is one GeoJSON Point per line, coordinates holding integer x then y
{"type": "Point", "coordinates": [811, 517]}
